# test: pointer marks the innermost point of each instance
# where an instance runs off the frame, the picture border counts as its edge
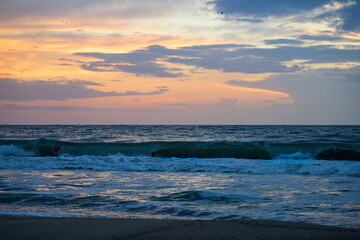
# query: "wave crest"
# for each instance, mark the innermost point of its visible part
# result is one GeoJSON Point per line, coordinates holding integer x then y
{"type": "Point", "coordinates": [239, 150]}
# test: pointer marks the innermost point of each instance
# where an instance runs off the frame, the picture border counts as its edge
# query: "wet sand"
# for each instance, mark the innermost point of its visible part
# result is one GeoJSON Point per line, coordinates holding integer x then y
{"type": "Point", "coordinates": [17, 227]}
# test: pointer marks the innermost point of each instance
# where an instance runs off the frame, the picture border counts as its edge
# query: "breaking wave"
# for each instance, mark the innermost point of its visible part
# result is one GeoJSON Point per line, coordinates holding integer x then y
{"type": "Point", "coordinates": [221, 157]}
{"type": "Point", "coordinates": [165, 149]}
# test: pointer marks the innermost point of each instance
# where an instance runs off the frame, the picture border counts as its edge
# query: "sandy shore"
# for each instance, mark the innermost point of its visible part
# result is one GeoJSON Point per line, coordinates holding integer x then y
{"type": "Point", "coordinates": [13, 227]}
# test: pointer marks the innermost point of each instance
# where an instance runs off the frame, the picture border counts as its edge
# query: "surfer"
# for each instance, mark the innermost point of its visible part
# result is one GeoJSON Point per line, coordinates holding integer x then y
{"type": "Point", "coordinates": [46, 150]}
{"type": "Point", "coordinates": [56, 148]}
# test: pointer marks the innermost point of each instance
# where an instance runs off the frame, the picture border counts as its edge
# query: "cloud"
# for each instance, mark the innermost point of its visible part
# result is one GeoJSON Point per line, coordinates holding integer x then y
{"type": "Point", "coordinates": [141, 62]}
{"type": "Point", "coordinates": [245, 60]}
{"type": "Point", "coordinates": [312, 54]}
{"type": "Point", "coordinates": [17, 90]}
{"type": "Point", "coordinates": [283, 41]}
{"type": "Point", "coordinates": [329, 38]}
{"type": "Point", "coordinates": [246, 20]}
{"type": "Point", "coordinates": [227, 58]}
{"type": "Point", "coordinates": [306, 81]}
{"type": "Point", "coordinates": [317, 94]}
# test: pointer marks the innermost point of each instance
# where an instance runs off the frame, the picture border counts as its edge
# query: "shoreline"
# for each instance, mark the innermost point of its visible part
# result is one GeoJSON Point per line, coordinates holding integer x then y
{"type": "Point", "coordinates": [29, 227]}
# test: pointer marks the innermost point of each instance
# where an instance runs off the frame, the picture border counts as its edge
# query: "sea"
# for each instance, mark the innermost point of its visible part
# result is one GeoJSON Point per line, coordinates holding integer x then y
{"type": "Point", "coordinates": [290, 173]}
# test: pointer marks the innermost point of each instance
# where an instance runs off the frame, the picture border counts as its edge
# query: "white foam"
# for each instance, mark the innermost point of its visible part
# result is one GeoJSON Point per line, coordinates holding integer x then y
{"type": "Point", "coordinates": [121, 162]}
{"type": "Point", "coordinates": [12, 150]}
{"type": "Point", "coordinates": [297, 155]}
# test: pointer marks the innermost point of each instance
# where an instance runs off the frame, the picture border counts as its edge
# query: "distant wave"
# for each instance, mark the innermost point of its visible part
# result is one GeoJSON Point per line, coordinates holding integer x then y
{"type": "Point", "coordinates": [14, 157]}
{"type": "Point", "coordinates": [167, 149]}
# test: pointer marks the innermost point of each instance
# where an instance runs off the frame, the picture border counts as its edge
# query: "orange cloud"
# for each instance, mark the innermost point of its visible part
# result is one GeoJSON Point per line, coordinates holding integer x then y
{"type": "Point", "coordinates": [285, 95]}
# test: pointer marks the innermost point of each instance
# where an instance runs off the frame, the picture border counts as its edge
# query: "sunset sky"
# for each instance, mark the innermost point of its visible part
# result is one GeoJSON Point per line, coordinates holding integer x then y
{"type": "Point", "coordinates": [179, 62]}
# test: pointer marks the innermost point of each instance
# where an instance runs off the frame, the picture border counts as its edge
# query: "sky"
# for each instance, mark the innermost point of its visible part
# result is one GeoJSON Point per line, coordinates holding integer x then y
{"type": "Point", "coordinates": [179, 62]}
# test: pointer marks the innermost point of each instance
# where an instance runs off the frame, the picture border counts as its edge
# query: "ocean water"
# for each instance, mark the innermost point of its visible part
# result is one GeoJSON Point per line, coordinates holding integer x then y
{"type": "Point", "coordinates": [292, 173]}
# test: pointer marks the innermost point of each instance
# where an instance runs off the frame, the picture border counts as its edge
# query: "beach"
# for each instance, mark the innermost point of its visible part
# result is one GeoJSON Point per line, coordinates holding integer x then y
{"type": "Point", "coordinates": [20, 227]}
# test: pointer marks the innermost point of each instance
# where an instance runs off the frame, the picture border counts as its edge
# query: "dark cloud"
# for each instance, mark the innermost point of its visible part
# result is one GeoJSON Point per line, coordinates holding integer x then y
{"type": "Point", "coordinates": [283, 41]}
{"type": "Point", "coordinates": [16, 90]}
{"type": "Point", "coordinates": [231, 62]}
{"type": "Point", "coordinates": [226, 58]}
{"type": "Point", "coordinates": [140, 62]}
{"type": "Point", "coordinates": [249, 20]}
{"type": "Point", "coordinates": [318, 54]}
{"type": "Point", "coordinates": [265, 8]}
{"type": "Point", "coordinates": [213, 47]}
{"type": "Point", "coordinates": [145, 62]}
{"type": "Point", "coordinates": [329, 38]}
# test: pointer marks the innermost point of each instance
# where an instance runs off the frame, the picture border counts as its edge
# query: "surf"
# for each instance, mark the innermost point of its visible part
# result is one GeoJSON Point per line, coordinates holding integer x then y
{"type": "Point", "coordinates": [191, 149]}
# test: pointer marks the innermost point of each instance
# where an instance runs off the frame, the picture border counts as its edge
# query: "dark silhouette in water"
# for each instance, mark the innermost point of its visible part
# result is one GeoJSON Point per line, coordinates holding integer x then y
{"type": "Point", "coordinates": [46, 150]}
{"type": "Point", "coordinates": [56, 148]}
{"type": "Point", "coordinates": [213, 151]}
{"type": "Point", "coordinates": [338, 154]}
